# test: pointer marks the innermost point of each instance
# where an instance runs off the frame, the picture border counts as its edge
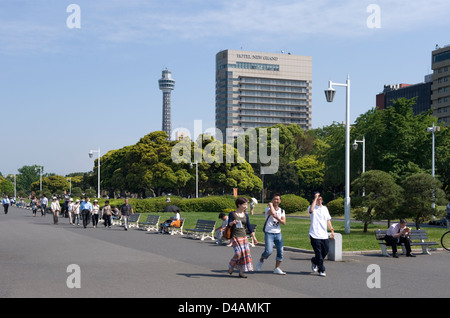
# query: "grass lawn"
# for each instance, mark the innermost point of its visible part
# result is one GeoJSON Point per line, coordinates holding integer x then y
{"type": "Point", "coordinates": [295, 232]}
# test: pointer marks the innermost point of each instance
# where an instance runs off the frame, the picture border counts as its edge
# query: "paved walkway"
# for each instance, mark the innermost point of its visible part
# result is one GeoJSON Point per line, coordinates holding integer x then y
{"type": "Point", "coordinates": [37, 260]}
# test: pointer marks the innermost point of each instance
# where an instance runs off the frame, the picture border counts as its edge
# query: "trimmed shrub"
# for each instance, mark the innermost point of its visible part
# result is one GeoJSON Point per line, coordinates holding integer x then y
{"type": "Point", "coordinates": [292, 203]}
{"type": "Point", "coordinates": [336, 207]}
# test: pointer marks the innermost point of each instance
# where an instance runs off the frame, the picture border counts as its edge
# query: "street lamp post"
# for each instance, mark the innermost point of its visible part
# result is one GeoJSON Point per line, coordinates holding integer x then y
{"type": "Point", "coordinates": [91, 153]}
{"type": "Point", "coordinates": [70, 185]}
{"type": "Point", "coordinates": [40, 177]}
{"type": "Point", "coordinates": [433, 130]}
{"type": "Point", "coordinates": [329, 94]}
{"type": "Point", "coordinates": [355, 147]}
{"type": "Point", "coordinates": [196, 178]}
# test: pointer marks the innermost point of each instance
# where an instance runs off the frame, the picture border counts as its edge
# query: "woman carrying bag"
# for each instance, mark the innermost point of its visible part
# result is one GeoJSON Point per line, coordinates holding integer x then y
{"type": "Point", "coordinates": [240, 223]}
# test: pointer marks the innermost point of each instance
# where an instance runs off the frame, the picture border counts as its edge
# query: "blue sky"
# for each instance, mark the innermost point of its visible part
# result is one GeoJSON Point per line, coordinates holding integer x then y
{"type": "Point", "coordinates": [66, 91]}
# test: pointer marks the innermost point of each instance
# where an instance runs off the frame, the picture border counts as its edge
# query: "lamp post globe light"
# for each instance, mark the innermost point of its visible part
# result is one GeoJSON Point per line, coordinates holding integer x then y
{"type": "Point", "coordinates": [329, 94]}
{"type": "Point", "coordinates": [91, 154]}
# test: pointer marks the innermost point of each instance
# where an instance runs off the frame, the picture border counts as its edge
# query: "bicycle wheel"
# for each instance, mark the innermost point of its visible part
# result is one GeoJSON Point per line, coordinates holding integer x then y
{"type": "Point", "coordinates": [445, 240]}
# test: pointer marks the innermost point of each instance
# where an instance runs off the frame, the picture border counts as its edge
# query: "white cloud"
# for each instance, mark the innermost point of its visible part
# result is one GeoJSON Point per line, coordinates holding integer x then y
{"type": "Point", "coordinates": [136, 20]}
{"type": "Point", "coordinates": [206, 19]}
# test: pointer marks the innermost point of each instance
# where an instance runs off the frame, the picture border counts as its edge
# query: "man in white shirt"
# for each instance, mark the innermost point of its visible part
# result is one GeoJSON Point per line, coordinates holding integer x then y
{"type": "Point", "coordinates": [272, 234]}
{"type": "Point", "coordinates": [320, 219]}
{"type": "Point", "coordinates": [396, 234]}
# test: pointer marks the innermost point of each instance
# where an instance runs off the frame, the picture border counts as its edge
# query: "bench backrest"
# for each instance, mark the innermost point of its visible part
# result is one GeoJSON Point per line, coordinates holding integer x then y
{"type": "Point", "coordinates": [153, 219]}
{"type": "Point", "coordinates": [206, 225]}
{"type": "Point", "coordinates": [134, 217]}
{"type": "Point", "coordinates": [414, 235]}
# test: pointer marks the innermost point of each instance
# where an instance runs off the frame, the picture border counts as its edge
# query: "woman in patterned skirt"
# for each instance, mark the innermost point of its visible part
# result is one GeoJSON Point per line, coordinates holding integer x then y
{"type": "Point", "coordinates": [240, 223]}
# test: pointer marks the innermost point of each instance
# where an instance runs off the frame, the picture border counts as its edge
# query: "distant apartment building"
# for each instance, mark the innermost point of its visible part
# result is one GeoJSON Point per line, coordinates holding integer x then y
{"type": "Point", "coordinates": [422, 92]}
{"type": "Point", "coordinates": [255, 89]}
{"type": "Point", "coordinates": [440, 97]}
{"type": "Point", "coordinates": [433, 93]}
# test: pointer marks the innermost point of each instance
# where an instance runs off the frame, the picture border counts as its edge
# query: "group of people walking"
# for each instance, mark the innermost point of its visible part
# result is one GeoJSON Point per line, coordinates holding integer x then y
{"type": "Point", "coordinates": [83, 211]}
{"type": "Point", "coordinates": [275, 217]}
{"type": "Point", "coordinates": [86, 211]}
{"type": "Point", "coordinates": [238, 223]}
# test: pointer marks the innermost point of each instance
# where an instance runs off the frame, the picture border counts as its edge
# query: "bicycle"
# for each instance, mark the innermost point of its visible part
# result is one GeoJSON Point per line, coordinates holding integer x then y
{"type": "Point", "coordinates": [445, 240]}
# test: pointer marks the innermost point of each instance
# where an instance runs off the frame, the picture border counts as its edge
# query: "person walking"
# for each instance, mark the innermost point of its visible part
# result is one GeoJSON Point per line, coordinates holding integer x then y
{"type": "Point", "coordinates": [76, 212]}
{"type": "Point", "coordinates": [70, 210]}
{"type": "Point", "coordinates": [125, 211]}
{"type": "Point", "coordinates": [272, 234]}
{"type": "Point", "coordinates": [66, 203]}
{"type": "Point", "coordinates": [34, 205]}
{"type": "Point", "coordinates": [240, 223]}
{"type": "Point", "coordinates": [86, 210]}
{"type": "Point", "coordinates": [6, 202]}
{"type": "Point", "coordinates": [95, 210]}
{"type": "Point", "coordinates": [107, 214]}
{"type": "Point", "coordinates": [55, 208]}
{"type": "Point", "coordinates": [318, 235]}
{"type": "Point", "coordinates": [44, 202]}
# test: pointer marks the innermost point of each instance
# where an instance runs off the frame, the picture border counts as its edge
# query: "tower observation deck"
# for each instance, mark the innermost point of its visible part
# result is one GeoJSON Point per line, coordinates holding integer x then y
{"type": "Point", "coordinates": [166, 84]}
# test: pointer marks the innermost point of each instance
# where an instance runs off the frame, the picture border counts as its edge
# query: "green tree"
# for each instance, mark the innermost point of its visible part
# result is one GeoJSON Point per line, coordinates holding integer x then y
{"type": "Point", "coordinates": [27, 175]}
{"type": "Point", "coordinates": [53, 184]}
{"type": "Point", "coordinates": [148, 167]}
{"type": "Point", "coordinates": [395, 139]}
{"type": "Point", "coordinates": [442, 155]}
{"type": "Point", "coordinates": [382, 196]}
{"type": "Point", "coordinates": [310, 174]}
{"type": "Point", "coordinates": [6, 187]}
{"type": "Point", "coordinates": [421, 190]}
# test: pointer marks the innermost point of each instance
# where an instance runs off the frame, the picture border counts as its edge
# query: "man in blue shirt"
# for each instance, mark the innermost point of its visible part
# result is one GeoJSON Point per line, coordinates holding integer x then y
{"type": "Point", "coordinates": [6, 204]}
{"type": "Point", "coordinates": [86, 210]}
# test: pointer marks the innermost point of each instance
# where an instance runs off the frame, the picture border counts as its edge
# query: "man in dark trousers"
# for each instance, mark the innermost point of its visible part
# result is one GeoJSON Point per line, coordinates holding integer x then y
{"type": "Point", "coordinates": [399, 233]}
{"type": "Point", "coordinates": [86, 210]}
{"type": "Point", "coordinates": [6, 204]}
{"type": "Point", "coordinates": [125, 211]}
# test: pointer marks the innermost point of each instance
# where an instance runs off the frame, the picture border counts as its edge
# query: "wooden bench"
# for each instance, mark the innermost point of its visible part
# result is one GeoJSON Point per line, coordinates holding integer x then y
{"type": "Point", "coordinates": [151, 224]}
{"type": "Point", "coordinates": [176, 230]}
{"type": "Point", "coordinates": [202, 230]}
{"type": "Point", "coordinates": [417, 238]}
{"type": "Point", "coordinates": [249, 234]}
{"type": "Point", "coordinates": [133, 220]}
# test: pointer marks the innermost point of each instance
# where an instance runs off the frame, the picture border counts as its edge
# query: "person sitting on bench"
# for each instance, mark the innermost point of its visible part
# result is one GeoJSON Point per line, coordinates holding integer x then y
{"type": "Point", "coordinates": [399, 233]}
{"type": "Point", "coordinates": [174, 221]}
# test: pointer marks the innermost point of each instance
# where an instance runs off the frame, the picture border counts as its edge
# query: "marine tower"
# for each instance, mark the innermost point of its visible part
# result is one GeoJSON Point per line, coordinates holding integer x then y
{"type": "Point", "coordinates": [166, 84]}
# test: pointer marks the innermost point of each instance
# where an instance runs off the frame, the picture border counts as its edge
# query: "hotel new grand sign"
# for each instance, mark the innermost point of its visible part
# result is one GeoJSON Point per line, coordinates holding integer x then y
{"type": "Point", "coordinates": [256, 57]}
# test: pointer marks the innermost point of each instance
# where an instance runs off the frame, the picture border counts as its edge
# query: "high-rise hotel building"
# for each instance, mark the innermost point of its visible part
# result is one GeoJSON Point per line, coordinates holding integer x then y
{"type": "Point", "coordinates": [440, 96]}
{"type": "Point", "coordinates": [255, 89]}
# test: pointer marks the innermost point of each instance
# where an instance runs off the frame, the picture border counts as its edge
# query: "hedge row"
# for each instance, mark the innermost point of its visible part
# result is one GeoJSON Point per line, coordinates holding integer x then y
{"type": "Point", "coordinates": [289, 202]}
{"type": "Point", "coordinates": [204, 204]}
